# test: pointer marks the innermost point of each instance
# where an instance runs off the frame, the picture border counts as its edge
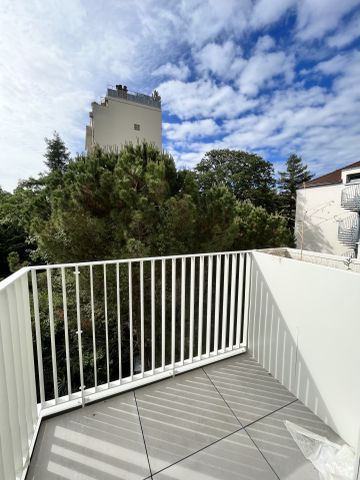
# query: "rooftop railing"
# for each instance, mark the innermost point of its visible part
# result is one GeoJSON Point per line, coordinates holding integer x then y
{"type": "Point", "coordinates": [134, 97]}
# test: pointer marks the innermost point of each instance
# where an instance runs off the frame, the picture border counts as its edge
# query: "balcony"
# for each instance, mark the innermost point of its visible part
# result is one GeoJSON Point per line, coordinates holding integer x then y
{"type": "Point", "coordinates": [348, 230]}
{"type": "Point", "coordinates": [257, 339]}
{"type": "Point", "coordinates": [350, 198]}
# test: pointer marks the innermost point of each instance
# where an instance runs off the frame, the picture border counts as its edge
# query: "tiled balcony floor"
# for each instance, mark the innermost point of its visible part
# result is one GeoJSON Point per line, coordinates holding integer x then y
{"type": "Point", "coordinates": [221, 422]}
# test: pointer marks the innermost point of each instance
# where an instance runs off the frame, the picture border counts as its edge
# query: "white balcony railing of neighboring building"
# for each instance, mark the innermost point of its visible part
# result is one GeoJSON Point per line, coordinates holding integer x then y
{"type": "Point", "coordinates": [350, 197]}
{"type": "Point", "coordinates": [348, 230]}
{"type": "Point", "coordinates": [74, 333]}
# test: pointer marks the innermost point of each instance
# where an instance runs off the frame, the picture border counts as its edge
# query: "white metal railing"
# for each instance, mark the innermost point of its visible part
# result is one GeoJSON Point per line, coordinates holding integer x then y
{"type": "Point", "coordinates": [348, 230]}
{"type": "Point", "coordinates": [74, 333]}
{"type": "Point", "coordinates": [19, 415]}
{"type": "Point", "coordinates": [350, 198]}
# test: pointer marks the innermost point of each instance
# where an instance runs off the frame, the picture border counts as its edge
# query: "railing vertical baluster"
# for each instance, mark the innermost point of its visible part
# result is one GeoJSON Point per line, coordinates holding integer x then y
{"type": "Point", "coordinates": [28, 337]}
{"type": "Point", "coordinates": [240, 290]}
{"type": "Point", "coordinates": [217, 304]}
{"type": "Point", "coordinates": [201, 306]}
{"type": "Point", "coordinates": [66, 331]}
{"type": "Point", "coordinates": [208, 310]}
{"type": "Point", "coordinates": [173, 311]}
{"type": "Point", "coordinates": [106, 327]}
{"type": "Point", "coordinates": [131, 339]}
{"type": "Point", "coordinates": [247, 297]}
{"type": "Point", "coordinates": [118, 318]}
{"type": "Point", "coordinates": [38, 336]}
{"type": "Point", "coordinates": [153, 315]}
{"type": "Point", "coordinates": [192, 302]}
{"type": "Point", "coordinates": [225, 303]}
{"type": "Point", "coordinates": [93, 325]}
{"type": "Point", "coordinates": [232, 299]}
{"type": "Point", "coordinates": [182, 320]}
{"type": "Point", "coordinates": [52, 334]}
{"type": "Point", "coordinates": [79, 333]}
{"type": "Point", "coordinates": [163, 311]}
{"type": "Point", "coordinates": [142, 317]}
{"type": "Point", "coordinates": [26, 375]}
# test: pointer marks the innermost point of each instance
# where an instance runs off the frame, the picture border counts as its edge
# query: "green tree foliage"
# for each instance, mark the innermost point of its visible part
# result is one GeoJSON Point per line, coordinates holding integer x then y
{"type": "Point", "coordinates": [134, 203]}
{"type": "Point", "coordinates": [248, 176]}
{"type": "Point", "coordinates": [14, 248]}
{"type": "Point", "coordinates": [56, 156]}
{"type": "Point", "coordinates": [295, 175]}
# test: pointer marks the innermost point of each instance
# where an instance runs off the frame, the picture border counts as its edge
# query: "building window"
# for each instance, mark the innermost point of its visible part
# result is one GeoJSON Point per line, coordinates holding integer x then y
{"type": "Point", "coordinates": [136, 126]}
{"type": "Point", "coordinates": [353, 178]}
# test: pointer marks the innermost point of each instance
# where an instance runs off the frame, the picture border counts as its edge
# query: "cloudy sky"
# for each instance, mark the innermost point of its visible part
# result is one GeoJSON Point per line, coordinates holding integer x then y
{"type": "Point", "coordinates": [270, 76]}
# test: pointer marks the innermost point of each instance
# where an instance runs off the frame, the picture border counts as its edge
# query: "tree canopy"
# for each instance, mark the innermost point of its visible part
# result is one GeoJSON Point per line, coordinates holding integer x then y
{"type": "Point", "coordinates": [56, 156]}
{"type": "Point", "coordinates": [295, 175]}
{"type": "Point", "coordinates": [247, 175]}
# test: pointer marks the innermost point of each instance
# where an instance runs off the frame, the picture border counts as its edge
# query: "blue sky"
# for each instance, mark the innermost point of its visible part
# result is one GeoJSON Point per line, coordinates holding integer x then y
{"type": "Point", "coordinates": [269, 76]}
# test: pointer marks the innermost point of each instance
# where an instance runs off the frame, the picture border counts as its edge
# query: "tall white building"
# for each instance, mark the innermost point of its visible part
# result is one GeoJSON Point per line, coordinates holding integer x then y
{"type": "Point", "coordinates": [123, 117]}
{"type": "Point", "coordinates": [327, 212]}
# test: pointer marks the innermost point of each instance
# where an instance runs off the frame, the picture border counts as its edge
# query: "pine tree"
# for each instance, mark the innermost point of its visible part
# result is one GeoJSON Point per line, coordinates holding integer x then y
{"type": "Point", "coordinates": [295, 175]}
{"type": "Point", "coordinates": [56, 156]}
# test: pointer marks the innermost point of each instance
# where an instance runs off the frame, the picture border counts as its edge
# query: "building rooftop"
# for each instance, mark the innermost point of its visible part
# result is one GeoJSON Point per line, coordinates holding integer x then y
{"type": "Point", "coordinates": [222, 421]}
{"type": "Point", "coordinates": [331, 178]}
{"type": "Point", "coordinates": [153, 100]}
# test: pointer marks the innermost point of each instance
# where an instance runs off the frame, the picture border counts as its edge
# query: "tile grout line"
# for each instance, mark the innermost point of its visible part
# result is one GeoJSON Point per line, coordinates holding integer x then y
{"type": "Point", "coordinates": [268, 414]}
{"type": "Point", "coordinates": [226, 403]}
{"type": "Point", "coordinates": [231, 410]}
{"type": "Point", "coordinates": [142, 432]}
{"type": "Point", "coordinates": [222, 438]}
{"type": "Point", "coordinates": [198, 451]}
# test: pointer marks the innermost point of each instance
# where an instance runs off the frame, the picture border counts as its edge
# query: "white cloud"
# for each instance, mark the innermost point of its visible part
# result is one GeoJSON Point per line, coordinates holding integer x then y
{"type": "Point", "coordinates": [346, 34]}
{"type": "Point", "coordinates": [266, 12]}
{"type": "Point", "coordinates": [315, 18]}
{"type": "Point", "coordinates": [188, 130]}
{"type": "Point", "coordinates": [262, 68]}
{"type": "Point", "coordinates": [202, 98]}
{"type": "Point", "coordinates": [177, 72]}
{"type": "Point", "coordinates": [204, 20]}
{"type": "Point", "coordinates": [264, 44]}
{"type": "Point", "coordinates": [219, 59]}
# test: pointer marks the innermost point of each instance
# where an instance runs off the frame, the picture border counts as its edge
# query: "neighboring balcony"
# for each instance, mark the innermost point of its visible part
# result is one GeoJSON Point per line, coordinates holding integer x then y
{"type": "Point", "coordinates": [257, 339]}
{"type": "Point", "coordinates": [348, 230]}
{"type": "Point", "coordinates": [350, 198]}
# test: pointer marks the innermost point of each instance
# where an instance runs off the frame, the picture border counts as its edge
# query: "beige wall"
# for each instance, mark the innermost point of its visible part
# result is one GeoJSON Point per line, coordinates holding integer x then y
{"type": "Point", "coordinates": [113, 124]}
{"type": "Point", "coordinates": [323, 211]}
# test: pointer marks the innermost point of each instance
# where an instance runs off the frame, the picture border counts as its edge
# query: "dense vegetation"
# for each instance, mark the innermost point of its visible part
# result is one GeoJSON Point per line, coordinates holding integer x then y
{"type": "Point", "coordinates": [134, 203]}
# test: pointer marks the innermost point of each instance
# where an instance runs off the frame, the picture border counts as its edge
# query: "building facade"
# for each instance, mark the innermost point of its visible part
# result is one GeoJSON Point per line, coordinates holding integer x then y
{"type": "Point", "coordinates": [124, 117]}
{"type": "Point", "coordinates": [327, 212]}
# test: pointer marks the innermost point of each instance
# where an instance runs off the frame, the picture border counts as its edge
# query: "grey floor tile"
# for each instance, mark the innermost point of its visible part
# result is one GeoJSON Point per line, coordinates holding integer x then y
{"type": "Point", "coordinates": [101, 441]}
{"type": "Point", "coordinates": [248, 388]}
{"type": "Point", "coordinates": [180, 415]}
{"type": "Point", "coordinates": [233, 458]}
{"type": "Point", "coordinates": [277, 445]}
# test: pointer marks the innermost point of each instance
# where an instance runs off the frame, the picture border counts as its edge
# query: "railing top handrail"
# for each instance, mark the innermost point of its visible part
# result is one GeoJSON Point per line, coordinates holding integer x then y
{"type": "Point", "coordinates": [349, 189]}
{"type": "Point", "coordinates": [133, 260]}
{"type": "Point", "coordinates": [13, 277]}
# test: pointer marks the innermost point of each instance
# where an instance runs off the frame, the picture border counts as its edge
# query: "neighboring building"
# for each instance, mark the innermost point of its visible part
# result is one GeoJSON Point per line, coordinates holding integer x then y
{"type": "Point", "coordinates": [123, 117]}
{"type": "Point", "coordinates": [327, 212]}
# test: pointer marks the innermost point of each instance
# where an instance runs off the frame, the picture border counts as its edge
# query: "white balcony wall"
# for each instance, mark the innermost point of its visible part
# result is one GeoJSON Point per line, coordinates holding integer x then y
{"type": "Point", "coordinates": [18, 405]}
{"type": "Point", "coordinates": [304, 328]}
